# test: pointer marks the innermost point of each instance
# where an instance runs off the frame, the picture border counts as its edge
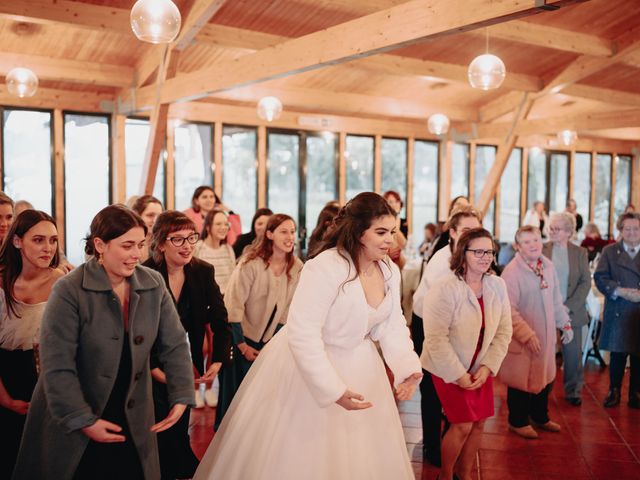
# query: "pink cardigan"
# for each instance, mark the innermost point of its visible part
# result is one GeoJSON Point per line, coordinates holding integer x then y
{"type": "Point", "coordinates": [234, 221]}
{"type": "Point", "coordinates": [533, 311]}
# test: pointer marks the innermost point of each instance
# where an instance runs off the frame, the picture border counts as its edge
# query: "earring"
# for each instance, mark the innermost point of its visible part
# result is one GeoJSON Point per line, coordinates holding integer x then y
{"type": "Point", "coordinates": [99, 258]}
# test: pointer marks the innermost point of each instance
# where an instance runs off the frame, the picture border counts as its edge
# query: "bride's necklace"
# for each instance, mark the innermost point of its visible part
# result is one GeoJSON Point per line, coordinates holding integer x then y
{"type": "Point", "coordinates": [367, 272]}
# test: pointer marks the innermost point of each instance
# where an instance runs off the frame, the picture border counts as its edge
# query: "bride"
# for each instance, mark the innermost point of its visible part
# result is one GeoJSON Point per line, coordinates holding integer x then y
{"type": "Point", "coordinates": [317, 402]}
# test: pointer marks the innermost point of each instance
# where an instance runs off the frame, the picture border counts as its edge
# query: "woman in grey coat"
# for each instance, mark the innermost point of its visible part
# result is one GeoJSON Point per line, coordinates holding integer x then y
{"type": "Point", "coordinates": [91, 415]}
{"type": "Point", "coordinates": [618, 278]}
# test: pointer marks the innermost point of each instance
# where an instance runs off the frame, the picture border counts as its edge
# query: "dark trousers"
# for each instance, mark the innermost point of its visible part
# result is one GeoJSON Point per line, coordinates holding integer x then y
{"type": "Point", "coordinates": [616, 371]}
{"type": "Point", "coordinates": [525, 405]}
{"type": "Point", "coordinates": [430, 405]}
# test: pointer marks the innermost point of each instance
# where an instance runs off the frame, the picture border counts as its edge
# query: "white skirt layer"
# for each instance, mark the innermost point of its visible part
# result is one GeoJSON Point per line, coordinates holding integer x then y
{"type": "Point", "coordinates": [274, 429]}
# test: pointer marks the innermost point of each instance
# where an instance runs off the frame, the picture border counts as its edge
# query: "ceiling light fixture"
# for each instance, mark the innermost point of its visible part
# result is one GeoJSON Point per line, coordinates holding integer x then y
{"type": "Point", "coordinates": [21, 82]}
{"type": "Point", "coordinates": [486, 71]}
{"type": "Point", "coordinates": [269, 108]}
{"type": "Point", "coordinates": [155, 21]}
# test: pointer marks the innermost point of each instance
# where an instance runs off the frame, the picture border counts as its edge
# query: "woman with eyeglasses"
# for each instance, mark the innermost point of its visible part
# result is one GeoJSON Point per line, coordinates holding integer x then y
{"type": "Point", "coordinates": [191, 284]}
{"type": "Point", "coordinates": [92, 415]}
{"type": "Point", "coordinates": [257, 299]}
{"type": "Point", "coordinates": [537, 311]}
{"type": "Point", "coordinates": [467, 326]}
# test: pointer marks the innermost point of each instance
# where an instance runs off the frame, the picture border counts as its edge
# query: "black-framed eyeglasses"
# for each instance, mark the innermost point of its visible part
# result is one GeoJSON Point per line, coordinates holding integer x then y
{"type": "Point", "coordinates": [179, 241]}
{"type": "Point", "coordinates": [479, 253]}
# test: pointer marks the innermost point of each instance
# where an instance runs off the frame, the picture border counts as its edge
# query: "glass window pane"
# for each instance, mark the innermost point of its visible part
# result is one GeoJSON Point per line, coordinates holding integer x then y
{"type": "Point", "coordinates": [582, 184]}
{"type": "Point", "coordinates": [425, 188]}
{"type": "Point", "coordinates": [510, 185]}
{"type": "Point", "coordinates": [193, 161]}
{"type": "Point", "coordinates": [559, 182]}
{"type": "Point", "coordinates": [359, 165]}
{"type": "Point", "coordinates": [622, 194]}
{"type": "Point", "coordinates": [321, 176]}
{"type": "Point", "coordinates": [460, 170]}
{"type": "Point", "coordinates": [394, 167]}
{"type": "Point", "coordinates": [136, 136]}
{"type": "Point", "coordinates": [282, 167]}
{"type": "Point", "coordinates": [27, 157]}
{"type": "Point", "coordinates": [536, 177]}
{"type": "Point", "coordinates": [603, 193]}
{"type": "Point", "coordinates": [239, 167]}
{"type": "Point", "coordinates": [86, 177]}
{"type": "Point", "coordinates": [485, 156]}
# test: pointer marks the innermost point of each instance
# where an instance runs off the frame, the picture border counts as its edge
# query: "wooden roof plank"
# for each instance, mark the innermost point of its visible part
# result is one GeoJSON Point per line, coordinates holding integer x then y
{"type": "Point", "coordinates": [379, 32]}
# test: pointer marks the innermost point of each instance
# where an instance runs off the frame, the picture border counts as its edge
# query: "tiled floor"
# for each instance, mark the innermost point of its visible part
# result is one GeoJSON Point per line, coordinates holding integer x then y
{"type": "Point", "coordinates": [595, 443]}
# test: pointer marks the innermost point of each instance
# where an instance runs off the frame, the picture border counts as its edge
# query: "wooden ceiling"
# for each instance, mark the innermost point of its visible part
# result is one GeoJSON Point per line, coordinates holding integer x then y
{"type": "Point", "coordinates": [381, 59]}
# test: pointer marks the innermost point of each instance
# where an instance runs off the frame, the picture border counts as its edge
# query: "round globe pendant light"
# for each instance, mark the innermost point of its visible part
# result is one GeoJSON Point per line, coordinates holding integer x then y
{"type": "Point", "coordinates": [567, 137]}
{"type": "Point", "coordinates": [155, 21]}
{"type": "Point", "coordinates": [486, 72]}
{"type": "Point", "coordinates": [22, 82]}
{"type": "Point", "coordinates": [438, 124]}
{"type": "Point", "coordinates": [269, 108]}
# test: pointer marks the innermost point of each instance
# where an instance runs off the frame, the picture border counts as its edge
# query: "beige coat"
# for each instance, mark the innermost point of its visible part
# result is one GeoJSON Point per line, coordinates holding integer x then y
{"type": "Point", "coordinates": [252, 294]}
{"type": "Point", "coordinates": [452, 320]}
{"type": "Point", "coordinates": [534, 311]}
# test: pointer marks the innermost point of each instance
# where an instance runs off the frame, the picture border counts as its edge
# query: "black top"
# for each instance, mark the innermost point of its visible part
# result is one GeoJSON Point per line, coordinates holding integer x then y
{"type": "Point", "coordinates": [242, 242]}
{"type": "Point", "coordinates": [200, 304]}
{"type": "Point", "coordinates": [441, 242]}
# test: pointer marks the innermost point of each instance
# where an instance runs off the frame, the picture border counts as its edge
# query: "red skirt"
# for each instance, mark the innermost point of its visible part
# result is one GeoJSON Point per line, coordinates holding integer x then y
{"type": "Point", "coordinates": [460, 405]}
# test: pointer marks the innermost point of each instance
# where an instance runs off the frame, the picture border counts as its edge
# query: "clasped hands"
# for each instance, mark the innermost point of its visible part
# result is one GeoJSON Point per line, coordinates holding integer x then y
{"type": "Point", "coordinates": [630, 294]}
{"type": "Point", "coordinates": [354, 401]}
{"type": "Point", "coordinates": [475, 381]}
{"type": "Point", "coordinates": [248, 352]}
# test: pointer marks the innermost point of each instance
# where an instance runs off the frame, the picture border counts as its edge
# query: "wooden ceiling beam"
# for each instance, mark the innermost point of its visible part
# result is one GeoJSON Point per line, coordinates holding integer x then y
{"type": "Point", "coordinates": [65, 70]}
{"type": "Point", "coordinates": [328, 101]}
{"type": "Point", "coordinates": [379, 32]}
{"type": "Point", "coordinates": [578, 122]}
{"type": "Point", "coordinates": [499, 106]}
{"type": "Point", "coordinates": [78, 14]}
{"type": "Point", "coordinates": [606, 95]}
{"type": "Point", "coordinates": [49, 98]}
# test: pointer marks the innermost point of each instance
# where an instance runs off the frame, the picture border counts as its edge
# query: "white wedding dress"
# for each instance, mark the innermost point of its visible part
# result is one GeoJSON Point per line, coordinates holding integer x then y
{"type": "Point", "coordinates": [275, 429]}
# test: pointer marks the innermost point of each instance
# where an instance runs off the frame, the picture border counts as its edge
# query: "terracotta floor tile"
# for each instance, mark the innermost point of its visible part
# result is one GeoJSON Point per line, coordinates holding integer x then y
{"type": "Point", "coordinates": [607, 451]}
{"type": "Point", "coordinates": [559, 464]}
{"type": "Point", "coordinates": [610, 470]}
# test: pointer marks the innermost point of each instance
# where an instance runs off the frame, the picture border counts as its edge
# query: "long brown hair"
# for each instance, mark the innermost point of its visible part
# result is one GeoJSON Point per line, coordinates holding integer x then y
{"type": "Point", "coordinates": [208, 222]}
{"type": "Point", "coordinates": [458, 261]}
{"type": "Point", "coordinates": [112, 222]}
{"type": "Point", "coordinates": [351, 222]}
{"type": "Point", "coordinates": [264, 248]}
{"type": "Point", "coordinates": [11, 257]}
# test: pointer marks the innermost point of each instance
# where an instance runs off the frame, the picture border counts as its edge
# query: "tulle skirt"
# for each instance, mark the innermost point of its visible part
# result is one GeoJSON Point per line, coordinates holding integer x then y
{"type": "Point", "coordinates": [275, 430]}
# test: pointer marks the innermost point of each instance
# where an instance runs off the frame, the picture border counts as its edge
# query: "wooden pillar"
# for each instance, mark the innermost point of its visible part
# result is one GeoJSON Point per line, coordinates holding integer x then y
{"type": "Point", "coordinates": [342, 169]}
{"type": "Point", "coordinates": [635, 177]}
{"type": "Point", "coordinates": [217, 158]}
{"type": "Point", "coordinates": [58, 174]}
{"type": "Point", "coordinates": [612, 192]}
{"type": "Point", "coordinates": [262, 166]}
{"type": "Point", "coordinates": [118, 159]}
{"type": "Point", "coordinates": [592, 199]}
{"type": "Point", "coordinates": [572, 161]}
{"type": "Point", "coordinates": [410, 167]}
{"type": "Point", "coordinates": [524, 182]}
{"type": "Point", "coordinates": [377, 164]}
{"type": "Point", "coordinates": [170, 176]}
{"type": "Point", "coordinates": [445, 154]}
{"type": "Point", "coordinates": [472, 172]}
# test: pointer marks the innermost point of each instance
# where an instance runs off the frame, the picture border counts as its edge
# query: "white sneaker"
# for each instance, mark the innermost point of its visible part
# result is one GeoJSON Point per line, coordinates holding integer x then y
{"type": "Point", "coordinates": [211, 398]}
{"type": "Point", "coordinates": [199, 401]}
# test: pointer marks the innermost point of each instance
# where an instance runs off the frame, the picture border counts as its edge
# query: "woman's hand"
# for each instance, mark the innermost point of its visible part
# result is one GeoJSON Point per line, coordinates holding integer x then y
{"type": "Point", "coordinates": [102, 432]}
{"type": "Point", "coordinates": [533, 345]}
{"type": "Point", "coordinates": [348, 401]}
{"type": "Point", "coordinates": [211, 372]}
{"type": "Point", "coordinates": [464, 381]}
{"type": "Point", "coordinates": [18, 406]}
{"type": "Point", "coordinates": [480, 377]}
{"type": "Point", "coordinates": [406, 389]}
{"type": "Point", "coordinates": [169, 421]}
{"type": "Point", "coordinates": [248, 352]}
{"type": "Point", "coordinates": [158, 375]}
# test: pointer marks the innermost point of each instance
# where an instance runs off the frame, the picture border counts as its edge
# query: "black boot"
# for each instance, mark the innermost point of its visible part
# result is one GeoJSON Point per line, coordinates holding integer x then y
{"type": "Point", "coordinates": [432, 455]}
{"type": "Point", "coordinates": [613, 397]}
{"type": "Point", "coordinates": [634, 400]}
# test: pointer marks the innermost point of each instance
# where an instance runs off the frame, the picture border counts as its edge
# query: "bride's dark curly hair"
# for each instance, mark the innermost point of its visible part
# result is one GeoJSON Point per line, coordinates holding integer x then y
{"type": "Point", "coordinates": [351, 222]}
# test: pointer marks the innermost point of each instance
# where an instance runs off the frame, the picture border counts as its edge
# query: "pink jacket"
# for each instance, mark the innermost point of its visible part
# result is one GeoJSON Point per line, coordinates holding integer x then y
{"type": "Point", "coordinates": [533, 311]}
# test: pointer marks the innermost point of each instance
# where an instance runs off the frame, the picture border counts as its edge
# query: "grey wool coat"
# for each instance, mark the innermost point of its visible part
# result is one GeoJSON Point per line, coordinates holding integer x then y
{"type": "Point", "coordinates": [80, 347]}
{"type": "Point", "coordinates": [621, 322]}
{"type": "Point", "coordinates": [579, 282]}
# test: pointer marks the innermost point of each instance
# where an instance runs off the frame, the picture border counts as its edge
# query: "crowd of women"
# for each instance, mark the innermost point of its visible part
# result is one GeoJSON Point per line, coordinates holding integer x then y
{"type": "Point", "coordinates": [99, 364]}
